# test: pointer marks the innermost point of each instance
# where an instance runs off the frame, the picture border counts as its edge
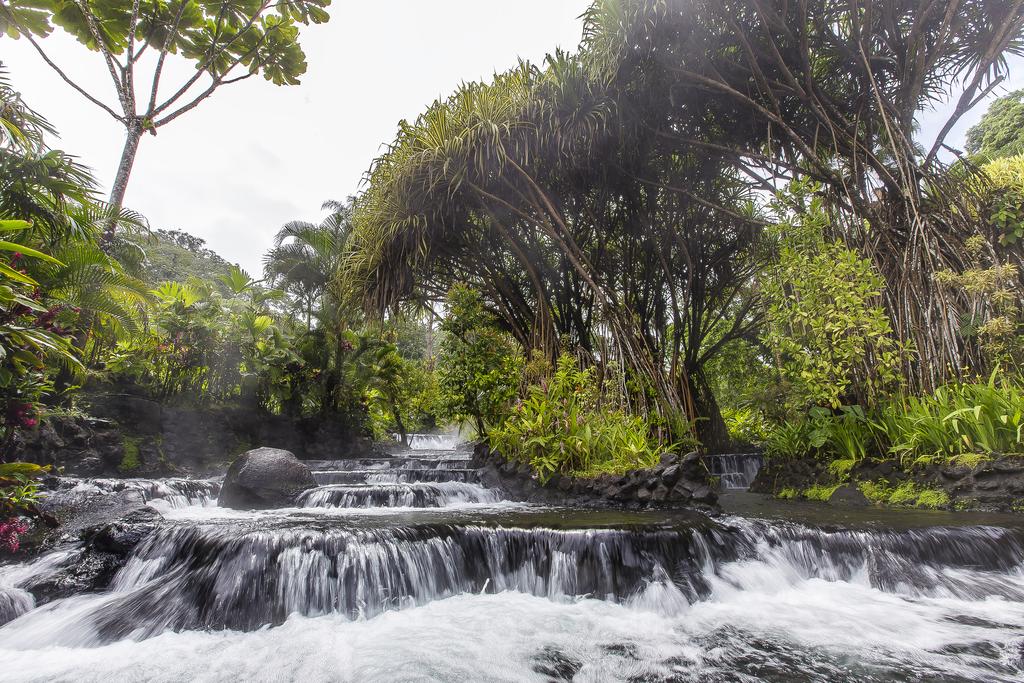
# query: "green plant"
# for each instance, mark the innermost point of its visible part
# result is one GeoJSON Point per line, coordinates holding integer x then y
{"type": "Point", "coordinates": [830, 335]}
{"type": "Point", "coordinates": [789, 440]}
{"type": "Point", "coordinates": [906, 494]}
{"type": "Point", "coordinates": [746, 425]}
{"type": "Point", "coordinates": [130, 461]}
{"type": "Point", "coordinates": [564, 427]}
{"type": "Point", "coordinates": [787, 493]}
{"type": "Point", "coordinates": [478, 367]}
{"type": "Point", "coordinates": [821, 492]}
{"type": "Point", "coordinates": [959, 422]}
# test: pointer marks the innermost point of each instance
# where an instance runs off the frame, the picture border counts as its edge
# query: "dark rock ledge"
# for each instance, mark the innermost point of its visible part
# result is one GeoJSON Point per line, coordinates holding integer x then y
{"type": "Point", "coordinates": [677, 481]}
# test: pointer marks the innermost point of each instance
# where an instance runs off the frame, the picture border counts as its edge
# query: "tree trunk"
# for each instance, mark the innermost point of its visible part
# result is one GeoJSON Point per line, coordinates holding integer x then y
{"type": "Point", "coordinates": [124, 169]}
{"type": "Point", "coordinates": [398, 423]}
{"type": "Point", "coordinates": [134, 136]}
{"type": "Point", "coordinates": [711, 428]}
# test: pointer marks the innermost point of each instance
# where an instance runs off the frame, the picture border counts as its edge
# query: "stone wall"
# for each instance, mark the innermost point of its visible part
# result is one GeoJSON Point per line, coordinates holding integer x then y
{"type": "Point", "coordinates": [132, 436]}
{"type": "Point", "coordinates": [677, 481]}
{"type": "Point", "coordinates": [996, 484]}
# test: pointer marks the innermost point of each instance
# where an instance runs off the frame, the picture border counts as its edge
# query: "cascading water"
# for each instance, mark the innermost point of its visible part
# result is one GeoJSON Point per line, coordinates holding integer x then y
{"type": "Point", "coordinates": [417, 495]}
{"type": "Point", "coordinates": [471, 588]}
{"type": "Point", "coordinates": [735, 471]}
{"type": "Point", "coordinates": [432, 442]}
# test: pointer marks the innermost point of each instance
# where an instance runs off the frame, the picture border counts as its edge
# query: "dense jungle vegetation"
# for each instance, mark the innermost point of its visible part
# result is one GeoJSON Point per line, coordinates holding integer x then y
{"type": "Point", "coordinates": [716, 224]}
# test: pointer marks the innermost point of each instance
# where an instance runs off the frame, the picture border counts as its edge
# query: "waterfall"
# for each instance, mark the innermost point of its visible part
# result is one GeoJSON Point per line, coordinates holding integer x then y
{"type": "Point", "coordinates": [418, 495]}
{"type": "Point", "coordinates": [407, 568]}
{"type": "Point", "coordinates": [225, 576]}
{"type": "Point", "coordinates": [431, 442]}
{"type": "Point", "coordinates": [735, 471]}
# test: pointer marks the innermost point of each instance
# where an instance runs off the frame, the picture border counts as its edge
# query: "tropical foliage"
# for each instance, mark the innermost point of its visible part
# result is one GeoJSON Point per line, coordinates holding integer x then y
{"type": "Point", "coordinates": [565, 425]}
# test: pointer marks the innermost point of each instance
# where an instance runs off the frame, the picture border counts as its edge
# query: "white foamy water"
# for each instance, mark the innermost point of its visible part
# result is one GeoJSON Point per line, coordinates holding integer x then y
{"type": "Point", "coordinates": [827, 631]}
{"type": "Point", "coordinates": [396, 578]}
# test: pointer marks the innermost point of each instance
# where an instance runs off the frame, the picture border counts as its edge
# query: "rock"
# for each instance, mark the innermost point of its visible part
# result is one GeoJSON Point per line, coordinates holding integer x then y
{"type": "Point", "coordinates": [705, 494]}
{"type": "Point", "coordinates": [671, 475]}
{"type": "Point", "coordinates": [265, 478]}
{"type": "Point", "coordinates": [564, 483]}
{"type": "Point", "coordinates": [119, 537]}
{"type": "Point", "coordinates": [110, 524]}
{"type": "Point", "coordinates": [691, 467]}
{"type": "Point", "coordinates": [74, 511]}
{"type": "Point", "coordinates": [1008, 466]}
{"type": "Point", "coordinates": [682, 491]}
{"type": "Point", "coordinates": [626, 491]}
{"type": "Point", "coordinates": [848, 496]}
{"type": "Point", "coordinates": [954, 473]}
{"type": "Point", "coordinates": [660, 493]}
{"type": "Point", "coordinates": [643, 495]}
{"type": "Point", "coordinates": [668, 459]}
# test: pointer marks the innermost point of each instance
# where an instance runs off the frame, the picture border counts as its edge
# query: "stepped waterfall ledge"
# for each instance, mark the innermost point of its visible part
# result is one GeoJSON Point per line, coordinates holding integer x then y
{"type": "Point", "coordinates": [590, 593]}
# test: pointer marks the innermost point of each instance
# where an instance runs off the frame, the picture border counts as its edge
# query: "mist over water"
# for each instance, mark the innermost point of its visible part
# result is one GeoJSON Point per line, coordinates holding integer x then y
{"type": "Point", "coordinates": [405, 571]}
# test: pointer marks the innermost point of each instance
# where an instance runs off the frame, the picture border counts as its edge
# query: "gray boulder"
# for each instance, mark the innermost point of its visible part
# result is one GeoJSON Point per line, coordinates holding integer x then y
{"type": "Point", "coordinates": [848, 496]}
{"type": "Point", "coordinates": [265, 478]}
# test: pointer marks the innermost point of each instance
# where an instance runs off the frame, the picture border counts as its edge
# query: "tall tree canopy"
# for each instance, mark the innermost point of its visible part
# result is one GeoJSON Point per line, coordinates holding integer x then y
{"type": "Point", "coordinates": [604, 202]}
{"type": "Point", "coordinates": [1000, 133]}
{"type": "Point", "coordinates": [228, 41]}
{"type": "Point", "coordinates": [830, 90]}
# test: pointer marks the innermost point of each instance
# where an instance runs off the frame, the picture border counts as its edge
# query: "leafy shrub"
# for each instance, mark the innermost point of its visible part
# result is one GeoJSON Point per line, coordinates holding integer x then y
{"type": "Point", "coordinates": [958, 422]}
{"type": "Point", "coordinates": [563, 427]}
{"type": "Point", "coordinates": [746, 425]}
{"type": "Point", "coordinates": [825, 323]}
{"type": "Point", "coordinates": [479, 366]}
{"type": "Point", "coordinates": [789, 440]}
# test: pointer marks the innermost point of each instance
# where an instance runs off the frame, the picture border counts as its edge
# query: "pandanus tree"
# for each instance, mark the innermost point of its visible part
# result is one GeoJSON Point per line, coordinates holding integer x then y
{"type": "Point", "coordinates": [830, 90]}
{"type": "Point", "coordinates": [542, 193]}
{"type": "Point", "coordinates": [226, 40]}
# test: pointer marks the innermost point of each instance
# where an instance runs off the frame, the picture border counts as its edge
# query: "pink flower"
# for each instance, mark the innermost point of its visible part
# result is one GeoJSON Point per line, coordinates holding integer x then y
{"type": "Point", "coordinates": [10, 530]}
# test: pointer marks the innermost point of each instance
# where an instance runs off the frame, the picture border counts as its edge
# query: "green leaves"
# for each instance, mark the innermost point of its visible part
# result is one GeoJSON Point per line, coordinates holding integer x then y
{"type": "Point", "coordinates": [825, 319]}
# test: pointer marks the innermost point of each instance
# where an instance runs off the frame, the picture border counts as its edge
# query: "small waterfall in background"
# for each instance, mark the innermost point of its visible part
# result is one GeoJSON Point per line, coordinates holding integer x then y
{"type": "Point", "coordinates": [735, 471]}
{"type": "Point", "coordinates": [431, 442]}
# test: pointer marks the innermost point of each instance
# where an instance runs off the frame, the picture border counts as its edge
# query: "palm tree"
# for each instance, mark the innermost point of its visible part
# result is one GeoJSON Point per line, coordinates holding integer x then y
{"type": "Point", "coordinates": [306, 256]}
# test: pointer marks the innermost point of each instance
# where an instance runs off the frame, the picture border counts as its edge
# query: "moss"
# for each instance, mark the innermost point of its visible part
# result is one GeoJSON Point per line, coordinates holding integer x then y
{"type": "Point", "coordinates": [820, 491]}
{"type": "Point", "coordinates": [970, 460]}
{"type": "Point", "coordinates": [130, 461]}
{"type": "Point", "coordinates": [907, 494]}
{"type": "Point", "coordinates": [787, 493]}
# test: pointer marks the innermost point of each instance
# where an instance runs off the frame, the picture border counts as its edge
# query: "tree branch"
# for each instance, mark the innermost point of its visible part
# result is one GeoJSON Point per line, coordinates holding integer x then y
{"type": "Point", "coordinates": [66, 78]}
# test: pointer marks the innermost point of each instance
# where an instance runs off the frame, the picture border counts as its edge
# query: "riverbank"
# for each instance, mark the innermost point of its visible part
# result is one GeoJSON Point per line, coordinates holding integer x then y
{"type": "Point", "coordinates": [990, 484]}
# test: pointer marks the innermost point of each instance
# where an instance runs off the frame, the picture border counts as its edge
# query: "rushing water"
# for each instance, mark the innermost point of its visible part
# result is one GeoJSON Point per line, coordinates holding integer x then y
{"type": "Point", "coordinates": [735, 470]}
{"type": "Point", "coordinates": [406, 569]}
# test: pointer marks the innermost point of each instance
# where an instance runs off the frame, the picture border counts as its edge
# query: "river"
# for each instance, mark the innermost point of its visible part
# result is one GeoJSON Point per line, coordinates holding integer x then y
{"type": "Point", "coordinates": [407, 569]}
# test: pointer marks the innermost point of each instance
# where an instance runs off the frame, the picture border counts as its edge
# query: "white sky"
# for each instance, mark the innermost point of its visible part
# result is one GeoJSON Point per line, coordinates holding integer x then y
{"type": "Point", "coordinates": [255, 155]}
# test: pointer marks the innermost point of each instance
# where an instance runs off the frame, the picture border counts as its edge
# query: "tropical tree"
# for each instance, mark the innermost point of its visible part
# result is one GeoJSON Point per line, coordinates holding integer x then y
{"type": "Point", "coordinates": [579, 229]}
{"type": "Point", "coordinates": [830, 90]}
{"type": "Point", "coordinates": [227, 42]}
{"type": "Point", "coordinates": [306, 257]}
{"type": "Point", "coordinates": [1000, 133]}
